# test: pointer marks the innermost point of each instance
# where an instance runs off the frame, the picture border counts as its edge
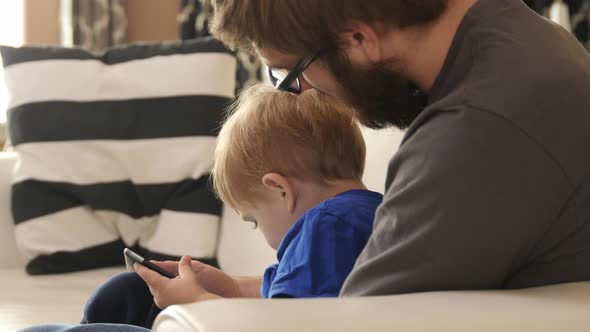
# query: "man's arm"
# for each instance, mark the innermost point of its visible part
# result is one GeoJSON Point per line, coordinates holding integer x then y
{"type": "Point", "coordinates": [470, 197]}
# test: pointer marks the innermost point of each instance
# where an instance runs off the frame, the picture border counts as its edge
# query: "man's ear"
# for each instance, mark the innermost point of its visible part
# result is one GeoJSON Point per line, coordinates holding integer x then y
{"type": "Point", "coordinates": [363, 43]}
{"type": "Point", "coordinates": [280, 186]}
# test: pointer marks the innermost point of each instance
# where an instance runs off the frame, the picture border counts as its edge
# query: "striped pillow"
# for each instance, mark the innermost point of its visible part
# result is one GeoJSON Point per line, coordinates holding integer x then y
{"type": "Point", "coordinates": [115, 150]}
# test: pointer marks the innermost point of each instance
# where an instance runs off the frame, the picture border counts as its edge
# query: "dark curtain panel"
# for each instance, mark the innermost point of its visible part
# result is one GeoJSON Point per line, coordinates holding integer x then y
{"type": "Point", "coordinates": [193, 24]}
{"type": "Point", "coordinates": [580, 16]}
{"type": "Point", "coordinates": [93, 24]}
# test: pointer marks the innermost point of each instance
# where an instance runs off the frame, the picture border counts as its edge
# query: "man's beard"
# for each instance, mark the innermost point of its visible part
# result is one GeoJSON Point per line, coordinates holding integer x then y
{"type": "Point", "coordinates": [380, 96]}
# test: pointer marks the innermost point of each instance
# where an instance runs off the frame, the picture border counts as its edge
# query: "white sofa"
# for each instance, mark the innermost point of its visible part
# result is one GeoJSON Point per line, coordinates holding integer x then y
{"type": "Point", "coordinates": [27, 300]}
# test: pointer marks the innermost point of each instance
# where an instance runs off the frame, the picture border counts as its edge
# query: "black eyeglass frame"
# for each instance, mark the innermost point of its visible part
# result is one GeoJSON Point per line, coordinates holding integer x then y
{"type": "Point", "coordinates": [292, 76]}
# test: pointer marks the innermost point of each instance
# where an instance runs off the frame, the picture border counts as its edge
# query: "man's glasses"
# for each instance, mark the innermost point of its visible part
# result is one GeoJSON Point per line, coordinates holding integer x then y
{"type": "Point", "coordinates": [288, 80]}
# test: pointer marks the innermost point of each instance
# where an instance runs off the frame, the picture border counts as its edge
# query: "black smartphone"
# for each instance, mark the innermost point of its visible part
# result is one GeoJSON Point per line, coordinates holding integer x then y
{"type": "Point", "coordinates": [133, 257]}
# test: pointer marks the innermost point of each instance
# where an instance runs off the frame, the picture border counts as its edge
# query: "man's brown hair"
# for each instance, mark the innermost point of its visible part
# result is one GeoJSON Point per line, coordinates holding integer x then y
{"type": "Point", "coordinates": [304, 27]}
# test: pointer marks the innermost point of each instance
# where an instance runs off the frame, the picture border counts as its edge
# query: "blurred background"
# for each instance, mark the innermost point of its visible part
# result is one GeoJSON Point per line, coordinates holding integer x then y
{"type": "Point", "coordinates": [99, 24]}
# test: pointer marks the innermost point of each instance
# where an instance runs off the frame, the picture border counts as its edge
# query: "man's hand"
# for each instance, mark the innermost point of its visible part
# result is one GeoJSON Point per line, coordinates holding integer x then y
{"type": "Point", "coordinates": [185, 288]}
{"type": "Point", "coordinates": [211, 279]}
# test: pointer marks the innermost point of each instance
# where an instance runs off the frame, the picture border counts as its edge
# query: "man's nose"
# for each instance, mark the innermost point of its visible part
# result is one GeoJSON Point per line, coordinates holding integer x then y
{"type": "Point", "coordinates": [304, 83]}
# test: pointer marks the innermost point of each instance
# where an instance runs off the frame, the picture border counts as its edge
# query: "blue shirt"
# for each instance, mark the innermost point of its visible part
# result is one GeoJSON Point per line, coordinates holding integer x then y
{"type": "Point", "coordinates": [320, 249]}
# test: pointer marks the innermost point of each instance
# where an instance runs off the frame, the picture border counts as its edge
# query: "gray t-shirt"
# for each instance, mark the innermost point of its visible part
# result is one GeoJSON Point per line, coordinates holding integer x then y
{"type": "Point", "coordinates": [490, 187]}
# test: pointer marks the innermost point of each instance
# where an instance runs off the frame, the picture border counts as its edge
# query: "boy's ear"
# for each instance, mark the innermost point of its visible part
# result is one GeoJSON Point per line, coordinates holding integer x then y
{"type": "Point", "coordinates": [280, 186]}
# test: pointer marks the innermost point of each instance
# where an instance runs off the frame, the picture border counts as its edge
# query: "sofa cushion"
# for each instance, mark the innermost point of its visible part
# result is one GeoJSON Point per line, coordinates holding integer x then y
{"type": "Point", "coordinates": [563, 307]}
{"type": "Point", "coordinates": [115, 150]}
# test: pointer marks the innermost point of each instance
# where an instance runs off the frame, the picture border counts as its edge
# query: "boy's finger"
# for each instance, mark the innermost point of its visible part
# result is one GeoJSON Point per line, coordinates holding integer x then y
{"type": "Point", "coordinates": [198, 266]}
{"type": "Point", "coordinates": [152, 278]}
{"type": "Point", "coordinates": [169, 266]}
{"type": "Point", "coordinates": [164, 262]}
{"type": "Point", "coordinates": [172, 266]}
{"type": "Point", "coordinates": [185, 267]}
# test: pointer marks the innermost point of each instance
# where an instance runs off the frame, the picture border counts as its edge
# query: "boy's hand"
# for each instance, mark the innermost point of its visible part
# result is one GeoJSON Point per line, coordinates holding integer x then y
{"type": "Point", "coordinates": [185, 288]}
{"type": "Point", "coordinates": [212, 279]}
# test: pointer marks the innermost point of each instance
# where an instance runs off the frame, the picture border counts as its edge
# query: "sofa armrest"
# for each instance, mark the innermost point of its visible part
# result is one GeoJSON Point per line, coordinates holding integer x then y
{"type": "Point", "coordinates": [551, 308]}
{"type": "Point", "coordinates": [9, 255]}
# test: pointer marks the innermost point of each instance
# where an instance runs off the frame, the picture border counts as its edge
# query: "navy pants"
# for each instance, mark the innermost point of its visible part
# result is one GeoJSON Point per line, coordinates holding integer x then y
{"type": "Point", "coordinates": [124, 299]}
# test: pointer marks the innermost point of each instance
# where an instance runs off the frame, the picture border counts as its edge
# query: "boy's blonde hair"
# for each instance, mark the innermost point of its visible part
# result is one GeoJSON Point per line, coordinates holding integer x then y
{"type": "Point", "coordinates": [310, 137]}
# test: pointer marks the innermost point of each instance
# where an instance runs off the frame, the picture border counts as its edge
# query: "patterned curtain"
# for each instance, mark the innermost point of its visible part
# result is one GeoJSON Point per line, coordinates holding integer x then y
{"type": "Point", "coordinates": [93, 24]}
{"type": "Point", "coordinates": [193, 24]}
{"type": "Point", "coordinates": [580, 16]}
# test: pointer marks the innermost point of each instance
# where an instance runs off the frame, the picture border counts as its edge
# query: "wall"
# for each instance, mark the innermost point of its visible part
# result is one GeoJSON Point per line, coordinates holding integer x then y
{"type": "Point", "coordinates": [148, 20]}
{"type": "Point", "coordinates": [41, 22]}
{"type": "Point", "coordinates": [152, 20]}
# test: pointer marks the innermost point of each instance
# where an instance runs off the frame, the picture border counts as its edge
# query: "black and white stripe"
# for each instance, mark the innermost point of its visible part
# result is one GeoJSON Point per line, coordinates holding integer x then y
{"type": "Point", "coordinates": [115, 150]}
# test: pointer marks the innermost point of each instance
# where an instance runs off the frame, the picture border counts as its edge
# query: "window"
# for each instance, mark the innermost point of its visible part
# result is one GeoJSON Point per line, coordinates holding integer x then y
{"type": "Point", "coordinates": [11, 33]}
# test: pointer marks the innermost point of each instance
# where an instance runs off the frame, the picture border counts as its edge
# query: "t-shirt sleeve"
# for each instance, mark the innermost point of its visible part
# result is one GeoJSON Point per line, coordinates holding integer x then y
{"type": "Point", "coordinates": [470, 195]}
{"type": "Point", "coordinates": [319, 258]}
{"type": "Point", "coordinates": [269, 275]}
